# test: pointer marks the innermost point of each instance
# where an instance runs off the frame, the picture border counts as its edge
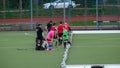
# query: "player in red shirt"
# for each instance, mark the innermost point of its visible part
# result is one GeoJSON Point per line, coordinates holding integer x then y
{"type": "Point", "coordinates": [53, 26]}
{"type": "Point", "coordinates": [60, 32]}
{"type": "Point", "coordinates": [55, 36]}
{"type": "Point", "coordinates": [67, 27]}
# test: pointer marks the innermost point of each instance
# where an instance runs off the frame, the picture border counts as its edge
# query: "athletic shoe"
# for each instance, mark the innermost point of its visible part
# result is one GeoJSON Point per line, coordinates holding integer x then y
{"type": "Point", "coordinates": [50, 50]}
{"type": "Point", "coordinates": [70, 43]}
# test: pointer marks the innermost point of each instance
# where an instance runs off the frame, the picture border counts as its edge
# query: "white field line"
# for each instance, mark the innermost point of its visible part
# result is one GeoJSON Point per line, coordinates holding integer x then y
{"type": "Point", "coordinates": [28, 34]}
{"type": "Point", "coordinates": [90, 65]}
{"type": "Point", "coordinates": [96, 32]}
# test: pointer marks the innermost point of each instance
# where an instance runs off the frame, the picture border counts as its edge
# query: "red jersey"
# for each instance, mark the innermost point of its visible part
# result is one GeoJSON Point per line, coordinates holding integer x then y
{"type": "Point", "coordinates": [53, 28]}
{"type": "Point", "coordinates": [60, 28]}
{"type": "Point", "coordinates": [66, 26]}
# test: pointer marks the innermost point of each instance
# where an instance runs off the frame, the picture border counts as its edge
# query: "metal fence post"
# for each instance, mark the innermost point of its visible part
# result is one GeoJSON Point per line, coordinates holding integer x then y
{"type": "Point", "coordinates": [4, 5]}
{"type": "Point", "coordinates": [64, 14]}
{"type": "Point", "coordinates": [8, 3]}
{"type": "Point", "coordinates": [31, 15]}
{"type": "Point", "coordinates": [36, 2]}
{"type": "Point", "coordinates": [97, 25]}
{"type": "Point", "coordinates": [20, 14]}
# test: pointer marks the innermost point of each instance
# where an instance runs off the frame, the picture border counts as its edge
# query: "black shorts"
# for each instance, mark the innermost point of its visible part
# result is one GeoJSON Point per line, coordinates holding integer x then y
{"type": "Point", "coordinates": [55, 37]}
{"type": "Point", "coordinates": [60, 34]}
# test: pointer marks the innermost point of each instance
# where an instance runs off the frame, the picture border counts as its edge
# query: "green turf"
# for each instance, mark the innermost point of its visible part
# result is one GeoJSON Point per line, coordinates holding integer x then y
{"type": "Point", "coordinates": [17, 51]}
{"type": "Point", "coordinates": [95, 49]}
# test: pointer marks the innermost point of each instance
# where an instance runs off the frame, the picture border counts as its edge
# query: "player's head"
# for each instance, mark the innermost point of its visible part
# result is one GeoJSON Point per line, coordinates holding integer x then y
{"type": "Point", "coordinates": [64, 27]}
{"type": "Point", "coordinates": [54, 24]}
{"type": "Point", "coordinates": [60, 22]}
{"type": "Point", "coordinates": [50, 21]}
{"type": "Point", "coordinates": [39, 25]}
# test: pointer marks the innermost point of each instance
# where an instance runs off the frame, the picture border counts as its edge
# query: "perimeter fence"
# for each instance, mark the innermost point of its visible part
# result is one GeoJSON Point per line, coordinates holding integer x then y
{"type": "Point", "coordinates": [87, 14]}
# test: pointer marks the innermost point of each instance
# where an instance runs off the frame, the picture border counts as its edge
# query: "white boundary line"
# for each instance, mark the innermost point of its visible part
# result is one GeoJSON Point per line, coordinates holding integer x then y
{"type": "Point", "coordinates": [63, 63]}
{"type": "Point", "coordinates": [96, 32]}
{"type": "Point", "coordinates": [90, 65]}
{"type": "Point", "coordinates": [28, 34]}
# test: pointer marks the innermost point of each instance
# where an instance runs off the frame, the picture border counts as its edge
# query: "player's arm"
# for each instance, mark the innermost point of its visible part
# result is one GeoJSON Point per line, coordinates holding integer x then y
{"type": "Point", "coordinates": [46, 29]}
{"type": "Point", "coordinates": [36, 28]}
{"type": "Point", "coordinates": [69, 28]}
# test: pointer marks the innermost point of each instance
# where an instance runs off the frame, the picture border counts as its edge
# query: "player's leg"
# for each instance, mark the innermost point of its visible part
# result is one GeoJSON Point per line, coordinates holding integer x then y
{"type": "Point", "coordinates": [37, 44]}
{"type": "Point", "coordinates": [65, 43]}
{"type": "Point", "coordinates": [50, 46]}
{"type": "Point", "coordinates": [45, 44]}
{"type": "Point", "coordinates": [69, 43]}
{"type": "Point", "coordinates": [60, 39]}
{"type": "Point", "coordinates": [55, 42]}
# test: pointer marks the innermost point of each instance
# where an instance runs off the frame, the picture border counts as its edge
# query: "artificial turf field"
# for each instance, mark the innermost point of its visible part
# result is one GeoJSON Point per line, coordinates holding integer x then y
{"type": "Point", "coordinates": [17, 50]}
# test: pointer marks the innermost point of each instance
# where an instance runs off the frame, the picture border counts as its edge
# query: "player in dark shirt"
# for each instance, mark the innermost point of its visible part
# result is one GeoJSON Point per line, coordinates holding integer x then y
{"type": "Point", "coordinates": [39, 31]}
{"type": "Point", "coordinates": [49, 25]}
{"type": "Point", "coordinates": [39, 38]}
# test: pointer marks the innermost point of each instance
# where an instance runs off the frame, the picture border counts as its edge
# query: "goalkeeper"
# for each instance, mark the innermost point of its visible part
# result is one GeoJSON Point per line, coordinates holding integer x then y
{"type": "Point", "coordinates": [65, 37]}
